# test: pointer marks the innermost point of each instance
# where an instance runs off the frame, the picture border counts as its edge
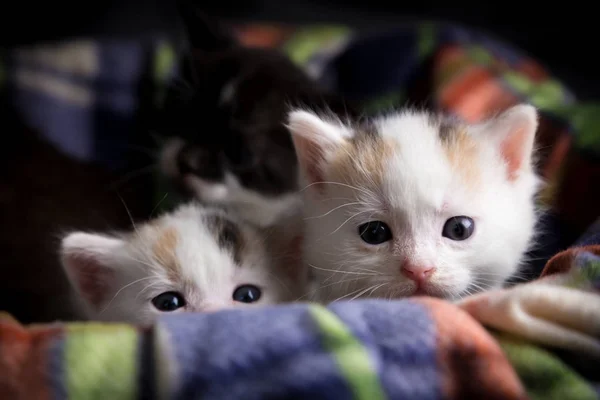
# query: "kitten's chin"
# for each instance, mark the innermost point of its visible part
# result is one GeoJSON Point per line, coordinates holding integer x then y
{"type": "Point", "coordinates": [430, 290]}
{"type": "Point", "coordinates": [421, 292]}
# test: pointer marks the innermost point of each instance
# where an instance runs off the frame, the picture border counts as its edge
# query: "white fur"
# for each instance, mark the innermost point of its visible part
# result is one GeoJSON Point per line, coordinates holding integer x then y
{"type": "Point", "coordinates": [259, 210]}
{"type": "Point", "coordinates": [309, 126]}
{"type": "Point", "coordinates": [208, 273]}
{"type": "Point", "coordinates": [418, 194]}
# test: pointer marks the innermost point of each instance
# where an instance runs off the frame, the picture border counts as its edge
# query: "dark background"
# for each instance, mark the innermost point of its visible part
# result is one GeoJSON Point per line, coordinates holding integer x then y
{"type": "Point", "coordinates": [562, 35]}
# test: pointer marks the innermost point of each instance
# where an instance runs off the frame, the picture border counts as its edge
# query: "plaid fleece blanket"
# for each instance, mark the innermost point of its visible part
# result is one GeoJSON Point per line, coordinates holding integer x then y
{"type": "Point", "coordinates": [539, 340]}
{"type": "Point", "coordinates": [85, 96]}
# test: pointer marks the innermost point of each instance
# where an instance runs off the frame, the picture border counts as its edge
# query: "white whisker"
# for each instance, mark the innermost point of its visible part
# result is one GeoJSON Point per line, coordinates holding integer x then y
{"type": "Point", "coordinates": [340, 184]}
{"type": "Point", "coordinates": [346, 221]}
{"type": "Point", "coordinates": [123, 288]}
{"type": "Point", "coordinates": [158, 204]}
{"type": "Point", "coordinates": [332, 210]}
{"type": "Point", "coordinates": [341, 272]}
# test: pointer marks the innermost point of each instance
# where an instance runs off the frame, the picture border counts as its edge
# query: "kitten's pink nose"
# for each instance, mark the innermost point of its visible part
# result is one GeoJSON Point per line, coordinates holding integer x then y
{"type": "Point", "coordinates": [417, 273]}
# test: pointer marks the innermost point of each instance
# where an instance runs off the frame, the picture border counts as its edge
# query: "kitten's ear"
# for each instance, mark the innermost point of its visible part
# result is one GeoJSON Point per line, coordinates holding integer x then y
{"type": "Point", "coordinates": [513, 132]}
{"type": "Point", "coordinates": [89, 262]}
{"type": "Point", "coordinates": [315, 140]}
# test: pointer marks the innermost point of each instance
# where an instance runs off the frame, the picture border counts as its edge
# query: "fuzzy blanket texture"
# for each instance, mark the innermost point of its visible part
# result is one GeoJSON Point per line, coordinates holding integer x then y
{"type": "Point", "coordinates": [539, 340]}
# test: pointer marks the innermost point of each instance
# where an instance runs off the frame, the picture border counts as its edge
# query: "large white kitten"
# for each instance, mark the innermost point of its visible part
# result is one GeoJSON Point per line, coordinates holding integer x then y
{"type": "Point", "coordinates": [414, 203]}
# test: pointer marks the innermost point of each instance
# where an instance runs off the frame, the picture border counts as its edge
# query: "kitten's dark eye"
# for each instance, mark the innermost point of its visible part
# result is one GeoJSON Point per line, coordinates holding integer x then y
{"type": "Point", "coordinates": [458, 228]}
{"type": "Point", "coordinates": [246, 294]}
{"type": "Point", "coordinates": [375, 232]}
{"type": "Point", "coordinates": [168, 301]}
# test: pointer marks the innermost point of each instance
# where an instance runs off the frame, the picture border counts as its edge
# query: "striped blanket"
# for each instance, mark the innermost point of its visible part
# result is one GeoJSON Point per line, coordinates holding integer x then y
{"type": "Point", "coordinates": [539, 340]}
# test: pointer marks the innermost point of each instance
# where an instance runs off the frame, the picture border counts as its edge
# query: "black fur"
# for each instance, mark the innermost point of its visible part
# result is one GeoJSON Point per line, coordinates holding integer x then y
{"type": "Point", "coordinates": [246, 135]}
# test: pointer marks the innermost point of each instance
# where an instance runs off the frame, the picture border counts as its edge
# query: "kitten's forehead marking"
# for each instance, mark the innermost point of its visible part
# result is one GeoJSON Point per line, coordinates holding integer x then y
{"type": "Point", "coordinates": [364, 155]}
{"type": "Point", "coordinates": [227, 234]}
{"type": "Point", "coordinates": [164, 250]}
{"type": "Point", "coordinates": [371, 157]}
{"type": "Point", "coordinates": [461, 151]}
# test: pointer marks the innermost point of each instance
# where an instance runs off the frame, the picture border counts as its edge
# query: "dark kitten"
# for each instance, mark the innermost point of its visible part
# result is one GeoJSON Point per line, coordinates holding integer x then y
{"type": "Point", "coordinates": [231, 145]}
{"type": "Point", "coordinates": [43, 193]}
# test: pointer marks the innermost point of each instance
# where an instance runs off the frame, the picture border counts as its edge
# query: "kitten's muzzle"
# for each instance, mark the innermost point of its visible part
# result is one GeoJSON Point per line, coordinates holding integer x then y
{"type": "Point", "coordinates": [420, 274]}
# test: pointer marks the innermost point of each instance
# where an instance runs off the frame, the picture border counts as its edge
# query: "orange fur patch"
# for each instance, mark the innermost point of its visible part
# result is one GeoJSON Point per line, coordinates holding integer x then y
{"type": "Point", "coordinates": [363, 159]}
{"type": "Point", "coordinates": [164, 250]}
{"type": "Point", "coordinates": [462, 153]}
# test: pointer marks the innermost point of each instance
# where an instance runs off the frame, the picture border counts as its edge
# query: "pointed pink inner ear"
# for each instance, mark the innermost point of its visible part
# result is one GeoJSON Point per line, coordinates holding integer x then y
{"type": "Point", "coordinates": [513, 149]}
{"type": "Point", "coordinates": [310, 158]}
{"type": "Point", "coordinates": [92, 279]}
{"type": "Point", "coordinates": [515, 131]}
{"type": "Point", "coordinates": [314, 140]}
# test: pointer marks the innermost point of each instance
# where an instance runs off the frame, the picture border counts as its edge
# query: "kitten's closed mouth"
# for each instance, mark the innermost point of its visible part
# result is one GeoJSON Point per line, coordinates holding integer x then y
{"type": "Point", "coordinates": [420, 292]}
{"type": "Point", "coordinates": [428, 289]}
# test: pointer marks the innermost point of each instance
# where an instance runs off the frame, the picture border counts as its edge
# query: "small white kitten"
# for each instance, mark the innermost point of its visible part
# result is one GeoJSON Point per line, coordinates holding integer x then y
{"type": "Point", "coordinates": [192, 259]}
{"type": "Point", "coordinates": [414, 203]}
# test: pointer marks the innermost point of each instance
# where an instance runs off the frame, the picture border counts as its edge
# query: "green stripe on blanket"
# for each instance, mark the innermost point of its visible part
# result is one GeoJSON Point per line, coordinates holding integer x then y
{"type": "Point", "coordinates": [585, 119]}
{"type": "Point", "coordinates": [307, 42]}
{"type": "Point", "coordinates": [542, 373]}
{"type": "Point", "coordinates": [426, 40]}
{"type": "Point", "coordinates": [352, 358]}
{"type": "Point", "coordinates": [165, 61]}
{"type": "Point", "coordinates": [100, 361]}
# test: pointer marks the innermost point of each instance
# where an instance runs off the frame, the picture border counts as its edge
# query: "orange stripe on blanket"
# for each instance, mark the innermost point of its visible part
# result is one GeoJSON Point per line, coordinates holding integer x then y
{"type": "Point", "coordinates": [472, 364]}
{"type": "Point", "coordinates": [533, 71]}
{"type": "Point", "coordinates": [562, 262]}
{"type": "Point", "coordinates": [475, 94]}
{"type": "Point", "coordinates": [450, 55]}
{"type": "Point", "coordinates": [449, 62]}
{"type": "Point", "coordinates": [23, 364]}
{"type": "Point", "coordinates": [264, 36]}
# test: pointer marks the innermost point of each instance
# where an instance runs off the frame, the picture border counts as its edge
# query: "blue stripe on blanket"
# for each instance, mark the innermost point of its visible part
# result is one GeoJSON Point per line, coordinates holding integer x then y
{"type": "Point", "coordinates": [231, 355]}
{"type": "Point", "coordinates": [401, 339]}
{"type": "Point", "coordinates": [65, 125]}
{"type": "Point", "coordinates": [56, 364]}
{"type": "Point", "coordinates": [591, 236]}
{"type": "Point", "coordinates": [121, 67]}
{"type": "Point", "coordinates": [83, 95]}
